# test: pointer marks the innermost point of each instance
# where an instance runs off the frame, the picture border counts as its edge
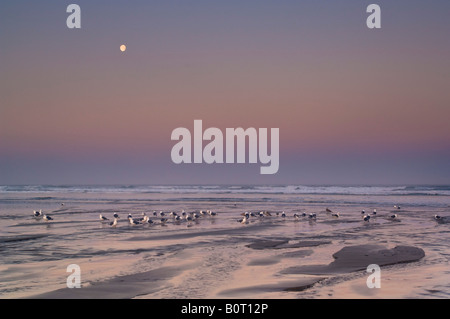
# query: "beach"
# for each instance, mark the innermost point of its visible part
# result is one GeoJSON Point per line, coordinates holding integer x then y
{"type": "Point", "coordinates": [215, 256]}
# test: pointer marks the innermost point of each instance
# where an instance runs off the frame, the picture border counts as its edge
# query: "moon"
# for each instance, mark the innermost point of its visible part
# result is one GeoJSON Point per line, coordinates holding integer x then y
{"type": "Point", "coordinates": [123, 47]}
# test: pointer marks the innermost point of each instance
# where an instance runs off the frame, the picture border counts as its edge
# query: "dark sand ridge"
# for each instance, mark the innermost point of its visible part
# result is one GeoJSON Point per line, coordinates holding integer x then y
{"type": "Point", "coordinates": [293, 285]}
{"type": "Point", "coordinates": [284, 243]}
{"type": "Point", "coordinates": [355, 258]}
{"type": "Point", "coordinates": [121, 287]}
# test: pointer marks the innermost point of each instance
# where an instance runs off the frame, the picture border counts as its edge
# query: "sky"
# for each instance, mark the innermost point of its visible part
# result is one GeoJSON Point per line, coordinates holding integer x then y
{"type": "Point", "coordinates": [353, 105]}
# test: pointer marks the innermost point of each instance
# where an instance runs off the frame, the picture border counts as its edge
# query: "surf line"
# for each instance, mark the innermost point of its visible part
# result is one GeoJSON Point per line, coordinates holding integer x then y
{"type": "Point", "coordinates": [213, 152]}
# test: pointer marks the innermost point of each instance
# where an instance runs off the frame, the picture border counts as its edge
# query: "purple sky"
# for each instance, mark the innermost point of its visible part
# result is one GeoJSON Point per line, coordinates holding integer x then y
{"type": "Point", "coordinates": [354, 106]}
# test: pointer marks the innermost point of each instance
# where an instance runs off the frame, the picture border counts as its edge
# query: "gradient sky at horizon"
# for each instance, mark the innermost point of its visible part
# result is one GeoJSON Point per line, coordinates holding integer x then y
{"type": "Point", "coordinates": [354, 106]}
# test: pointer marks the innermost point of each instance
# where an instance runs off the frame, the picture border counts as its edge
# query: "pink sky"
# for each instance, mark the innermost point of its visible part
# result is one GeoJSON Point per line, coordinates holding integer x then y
{"type": "Point", "coordinates": [330, 84]}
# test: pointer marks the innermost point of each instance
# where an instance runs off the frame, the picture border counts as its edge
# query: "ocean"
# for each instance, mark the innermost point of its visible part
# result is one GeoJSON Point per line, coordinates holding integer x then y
{"type": "Point", "coordinates": [217, 256]}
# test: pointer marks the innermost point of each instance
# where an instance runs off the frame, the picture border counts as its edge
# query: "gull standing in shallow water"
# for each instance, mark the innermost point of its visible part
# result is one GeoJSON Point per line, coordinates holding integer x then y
{"type": "Point", "coordinates": [211, 213]}
{"type": "Point", "coordinates": [245, 219]}
{"type": "Point", "coordinates": [37, 214]}
{"type": "Point", "coordinates": [132, 221]}
{"type": "Point", "coordinates": [47, 218]}
{"type": "Point", "coordinates": [147, 220]}
{"type": "Point", "coordinates": [114, 223]}
{"type": "Point", "coordinates": [394, 216]}
{"type": "Point", "coordinates": [103, 218]}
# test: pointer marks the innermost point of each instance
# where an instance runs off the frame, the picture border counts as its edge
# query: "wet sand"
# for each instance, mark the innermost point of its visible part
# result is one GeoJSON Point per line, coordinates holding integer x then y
{"type": "Point", "coordinates": [271, 257]}
{"type": "Point", "coordinates": [348, 259]}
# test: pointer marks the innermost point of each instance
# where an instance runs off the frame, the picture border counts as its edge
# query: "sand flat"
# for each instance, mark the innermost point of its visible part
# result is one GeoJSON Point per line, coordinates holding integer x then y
{"type": "Point", "coordinates": [120, 287]}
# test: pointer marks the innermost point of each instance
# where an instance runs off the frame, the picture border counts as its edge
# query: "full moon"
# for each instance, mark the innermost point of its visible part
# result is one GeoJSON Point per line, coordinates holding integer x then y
{"type": "Point", "coordinates": [123, 47]}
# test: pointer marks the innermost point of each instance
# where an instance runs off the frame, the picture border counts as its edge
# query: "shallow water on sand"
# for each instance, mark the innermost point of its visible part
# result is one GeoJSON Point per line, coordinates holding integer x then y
{"type": "Point", "coordinates": [209, 258]}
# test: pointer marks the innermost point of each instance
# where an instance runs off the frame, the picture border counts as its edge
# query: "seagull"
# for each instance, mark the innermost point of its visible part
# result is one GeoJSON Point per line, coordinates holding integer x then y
{"type": "Point", "coordinates": [363, 212]}
{"type": "Point", "coordinates": [374, 212]}
{"type": "Point", "coordinates": [37, 213]}
{"type": "Point", "coordinates": [103, 218]}
{"type": "Point", "coordinates": [132, 221]}
{"type": "Point", "coordinates": [161, 213]}
{"type": "Point", "coordinates": [188, 218]}
{"type": "Point", "coordinates": [335, 214]}
{"type": "Point", "coordinates": [312, 216]}
{"type": "Point", "coordinates": [144, 218]}
{"type": "Point", "coordinates": [173, 214]}
{"type": "Point", "coordinates": [437, 217]}
{"type": "Point", "coordinates": [245, 219]}
{"type": "Point", "coordinates": [163, 221]}
{"type": "Point", "coordinates": [114, 223]}
{"type": "Point", "coordinates": [211, 213]}
{"type": "Point", "coordinates": [296, 216]}
{"type": "Point", "coordinates": [394, 216]}
{"type": "Point", "coordinates": [177, 218]}
{"type": "Point", "coordinates": [47, 218]}
{"type": "Point", "coordinates": [149, 221]}
{"type": "Point", "coordinates": [283, 214]}
{"type": "Point", "coordinates": [155, 213]}
{"type": "Point", "coordinates": [397, 206]}
{"type": "Point", "coordinates": [304, 214]}
{"type": "Point", "coordinates": [261, 214]}
{"type": "Point", "coordinates": [328, 210]}
{"type": "Point", "coordinates": [366, 218]}
{"type": "Point", "coordinates": [116, 215]}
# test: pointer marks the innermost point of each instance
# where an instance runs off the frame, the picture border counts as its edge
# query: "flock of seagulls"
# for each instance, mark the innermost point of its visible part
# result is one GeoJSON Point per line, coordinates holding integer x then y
{"type": "Point", "coordinates": [283, 215]}
{"type": "Point", "coordinates": [189, 217]}
{"type": "Point", "coordinates": [144, 220]}
{"type": "Point", "coordinates": [366, 217]}
{"type": "Point", "coordinates": [163, 218]}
